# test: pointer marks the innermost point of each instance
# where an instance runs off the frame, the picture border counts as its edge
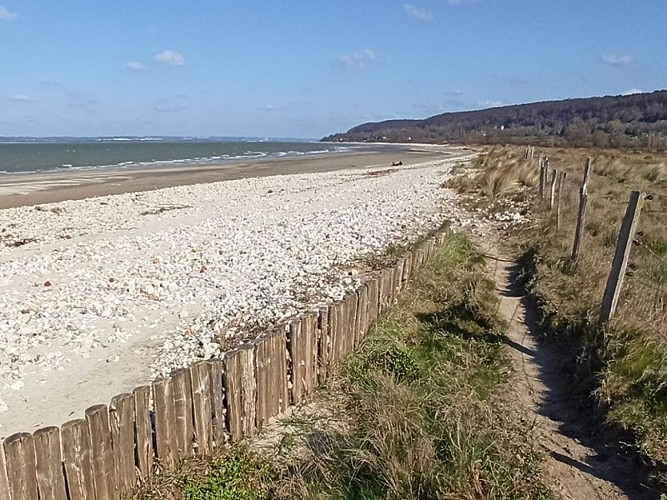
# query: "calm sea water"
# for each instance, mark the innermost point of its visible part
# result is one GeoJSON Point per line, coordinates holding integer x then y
{"type": "Point", "coordinates": [49, 155]}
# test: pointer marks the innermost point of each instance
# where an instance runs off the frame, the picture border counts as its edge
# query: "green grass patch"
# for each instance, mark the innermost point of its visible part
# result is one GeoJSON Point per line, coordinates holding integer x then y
{"type": "Point", "coordinates": [418, 411]}
{"type": "Point", "coordinates": [236, 474]}
{"type": "Point", "coordinates": [421, 399]}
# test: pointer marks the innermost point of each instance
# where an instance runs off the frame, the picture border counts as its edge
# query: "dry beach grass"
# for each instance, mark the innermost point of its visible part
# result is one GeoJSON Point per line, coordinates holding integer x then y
{"type": "Point", "coordinates": [622, 366]}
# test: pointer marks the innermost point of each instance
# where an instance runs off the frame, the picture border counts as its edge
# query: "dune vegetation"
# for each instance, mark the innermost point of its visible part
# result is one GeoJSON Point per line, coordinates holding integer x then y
{"type": "Point", "coordinates": [620, 367]}
{"type": "Point", "coordinates": [418, 411]}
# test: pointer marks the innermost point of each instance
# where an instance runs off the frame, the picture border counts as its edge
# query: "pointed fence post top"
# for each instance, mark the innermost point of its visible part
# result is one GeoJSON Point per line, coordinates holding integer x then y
{"type": "Point", "coordinates": [587, 173]}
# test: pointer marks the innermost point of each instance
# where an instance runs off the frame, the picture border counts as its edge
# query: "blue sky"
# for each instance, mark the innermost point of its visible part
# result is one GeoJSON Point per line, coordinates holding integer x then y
{"type": "Point", "coordinates": [309, 68]}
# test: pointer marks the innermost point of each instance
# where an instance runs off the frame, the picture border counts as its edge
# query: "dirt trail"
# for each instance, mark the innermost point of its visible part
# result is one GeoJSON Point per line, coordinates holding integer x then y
{"type": "Point", "coordinates": [578, 465]}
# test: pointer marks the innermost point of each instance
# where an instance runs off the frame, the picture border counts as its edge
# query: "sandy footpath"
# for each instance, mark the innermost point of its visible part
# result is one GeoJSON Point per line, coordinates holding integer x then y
{"type": "Point", "coordinates": [109, 279]}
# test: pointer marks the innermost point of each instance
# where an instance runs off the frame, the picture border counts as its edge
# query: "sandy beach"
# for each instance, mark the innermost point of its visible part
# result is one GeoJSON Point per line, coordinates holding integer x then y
{"type": "Point", "coordinates": [110, 278]}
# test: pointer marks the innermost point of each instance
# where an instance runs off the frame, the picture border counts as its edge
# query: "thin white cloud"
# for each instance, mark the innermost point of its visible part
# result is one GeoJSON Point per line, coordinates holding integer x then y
{"type": "Point", "coordinates": [632, 91]}
{"type": "Point", "coordinates": [21, 98]}
{"type": "Point", "coordinates": [358, 60]}
{"type": "Point", "coordinates": [461, 2]}
{"type": "Point", "coordinates": [6, 15]}
{"type": "Point", "coordinates": [170, 57]}
{"type": "Point", "coordinates": [298, 104]}
{"type": "Point", "coordinates": [415, 12]}
{"type": "Point", "coordinates": [617, 59]}
{"type": "Point", "coordinates": [136, 66]}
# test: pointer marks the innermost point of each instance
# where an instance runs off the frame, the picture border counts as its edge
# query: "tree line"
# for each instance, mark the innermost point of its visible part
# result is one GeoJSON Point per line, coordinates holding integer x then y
{"type": "Point", "coordinates": [629, 121]}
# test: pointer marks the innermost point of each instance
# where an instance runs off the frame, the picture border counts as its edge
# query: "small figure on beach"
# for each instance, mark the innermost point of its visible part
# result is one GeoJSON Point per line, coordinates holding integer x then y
{"type": "Point", "coordinates": [396, 163]}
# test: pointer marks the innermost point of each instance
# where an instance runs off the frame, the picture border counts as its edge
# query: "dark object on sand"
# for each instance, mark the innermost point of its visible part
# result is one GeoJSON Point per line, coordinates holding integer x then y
{"type": "Point", "coordinates": [396, 163]}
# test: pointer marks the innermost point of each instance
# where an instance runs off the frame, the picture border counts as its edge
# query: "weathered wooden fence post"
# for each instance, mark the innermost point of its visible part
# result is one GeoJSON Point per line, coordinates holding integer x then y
{"type": "Point", "coordinates": [581, 217]}
{"type": "Point", "coordinates": [216, 373]}
{"type": "Point", "coordinates": [182, 426]}
{"type": "Point", "coordinates": [165, 420]}
{"type": "Point", "coordinates": [362, 314]}
{"type": "Point", "coordinates": [240, 384]}
{"type": "Point", "coordinates": [561, 181]}
{"type": "Point", "coordinates": [201, 410]}
{"type": "Point", "coordinates": [77, 459]}
{"type": "Point", "coordinates": [540, 165]}
{"type": "Point", "coordinates": [302, 347]}
{"type": "Point", "coordinates": [322, 345]}
{"type": "Point", "coordinates": [121, 421]}
{"type": "Point", "coordinates": [21, 466]}
{"type": "Point", "coordinates": [621, 256]}
{"type": "Point", "coordinates": [271, 373]}
{"type": "Point", "coordinates": [143, 431]}
{"type": "Point", "coordinates": [552, 192]}
{"type": "Point", "coordinates": [544, 175]}
{"type": "Point", "coordinates": [104, 473]}
{"type": "Point", "coordinates": [50, 477]}
{"type": "Point", "coordinates": [4, 482]}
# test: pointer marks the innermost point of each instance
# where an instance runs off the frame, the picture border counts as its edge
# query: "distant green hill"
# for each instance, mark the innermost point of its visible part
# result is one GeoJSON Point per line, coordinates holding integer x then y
{"type": "Point", "coordinates": [632, 121]}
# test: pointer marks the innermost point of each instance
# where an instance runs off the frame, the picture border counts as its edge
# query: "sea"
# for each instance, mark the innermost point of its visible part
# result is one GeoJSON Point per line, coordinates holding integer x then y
{"type": "Point", "coordinates": [24, 155]}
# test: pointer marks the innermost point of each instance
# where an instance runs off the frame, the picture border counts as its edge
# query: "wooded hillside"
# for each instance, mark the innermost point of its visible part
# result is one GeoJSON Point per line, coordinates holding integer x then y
{"type": "Point", "coordinates": [638, 120]}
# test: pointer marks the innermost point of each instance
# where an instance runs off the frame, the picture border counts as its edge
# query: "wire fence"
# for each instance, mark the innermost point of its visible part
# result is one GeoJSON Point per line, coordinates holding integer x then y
{"type": "Point", "coordinates": [611, 227]}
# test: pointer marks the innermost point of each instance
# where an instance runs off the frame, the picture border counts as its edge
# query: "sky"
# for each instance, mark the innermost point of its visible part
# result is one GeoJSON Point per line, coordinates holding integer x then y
{"type": "Point", "coordinates": [305, 69]}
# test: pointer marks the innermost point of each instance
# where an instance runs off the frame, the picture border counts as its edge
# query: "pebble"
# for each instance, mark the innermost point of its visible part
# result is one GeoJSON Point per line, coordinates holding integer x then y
{"type": "Point", "coordinates": [239, 256]}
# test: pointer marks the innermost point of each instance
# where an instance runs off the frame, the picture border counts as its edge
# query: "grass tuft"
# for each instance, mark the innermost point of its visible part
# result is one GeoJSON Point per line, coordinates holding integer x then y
{"type": "Point", "coordinates": [237, 474]}
{"type": "Point", "coordinates": [419, 411]}
{"type": "Point", "coordinates": [623, 368]}
{"type": "Point", "coordinates": [421, 396]}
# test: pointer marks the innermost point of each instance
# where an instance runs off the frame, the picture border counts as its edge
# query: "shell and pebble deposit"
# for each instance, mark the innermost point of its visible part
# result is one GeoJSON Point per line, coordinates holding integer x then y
{"type": "Point", "coordinates": [101, 295]}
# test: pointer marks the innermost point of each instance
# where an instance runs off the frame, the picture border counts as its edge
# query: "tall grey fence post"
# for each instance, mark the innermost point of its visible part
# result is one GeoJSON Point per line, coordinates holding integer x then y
{"type": "Point", "coordinates": [581, 217]}
{"type": "Point", "coordinates": [552, 193]}
{"type": "Point", "coordinates": [620, 262]}
{"type": "Point", "coordinates": [561, 181]}
{"type": "Point", "coordinates": [541, 165]}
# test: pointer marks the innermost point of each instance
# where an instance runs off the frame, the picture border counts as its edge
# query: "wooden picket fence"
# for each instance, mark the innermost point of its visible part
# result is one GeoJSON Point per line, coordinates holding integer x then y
{"type": "Point", "coordinates": [197, 409]}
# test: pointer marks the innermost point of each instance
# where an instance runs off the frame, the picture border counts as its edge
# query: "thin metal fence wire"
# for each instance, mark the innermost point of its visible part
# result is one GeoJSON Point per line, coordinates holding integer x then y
{"type": "Point", "coordinates": [652, 196]}
{"type": "Point", "coordinates": [654, 255]}
{"type": "Point", "coordinates": [598, 219]}
{"type": "Point", "coordinates": [637, 279]}
{"type": "Point", "coordinates": [653, 329]}
{"type": "Point", "coordinates": [569, 199]}
{"type": "Point", "coordinates": [613, 222]}
{"type": "Point", "coordinates": [573, 183]}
